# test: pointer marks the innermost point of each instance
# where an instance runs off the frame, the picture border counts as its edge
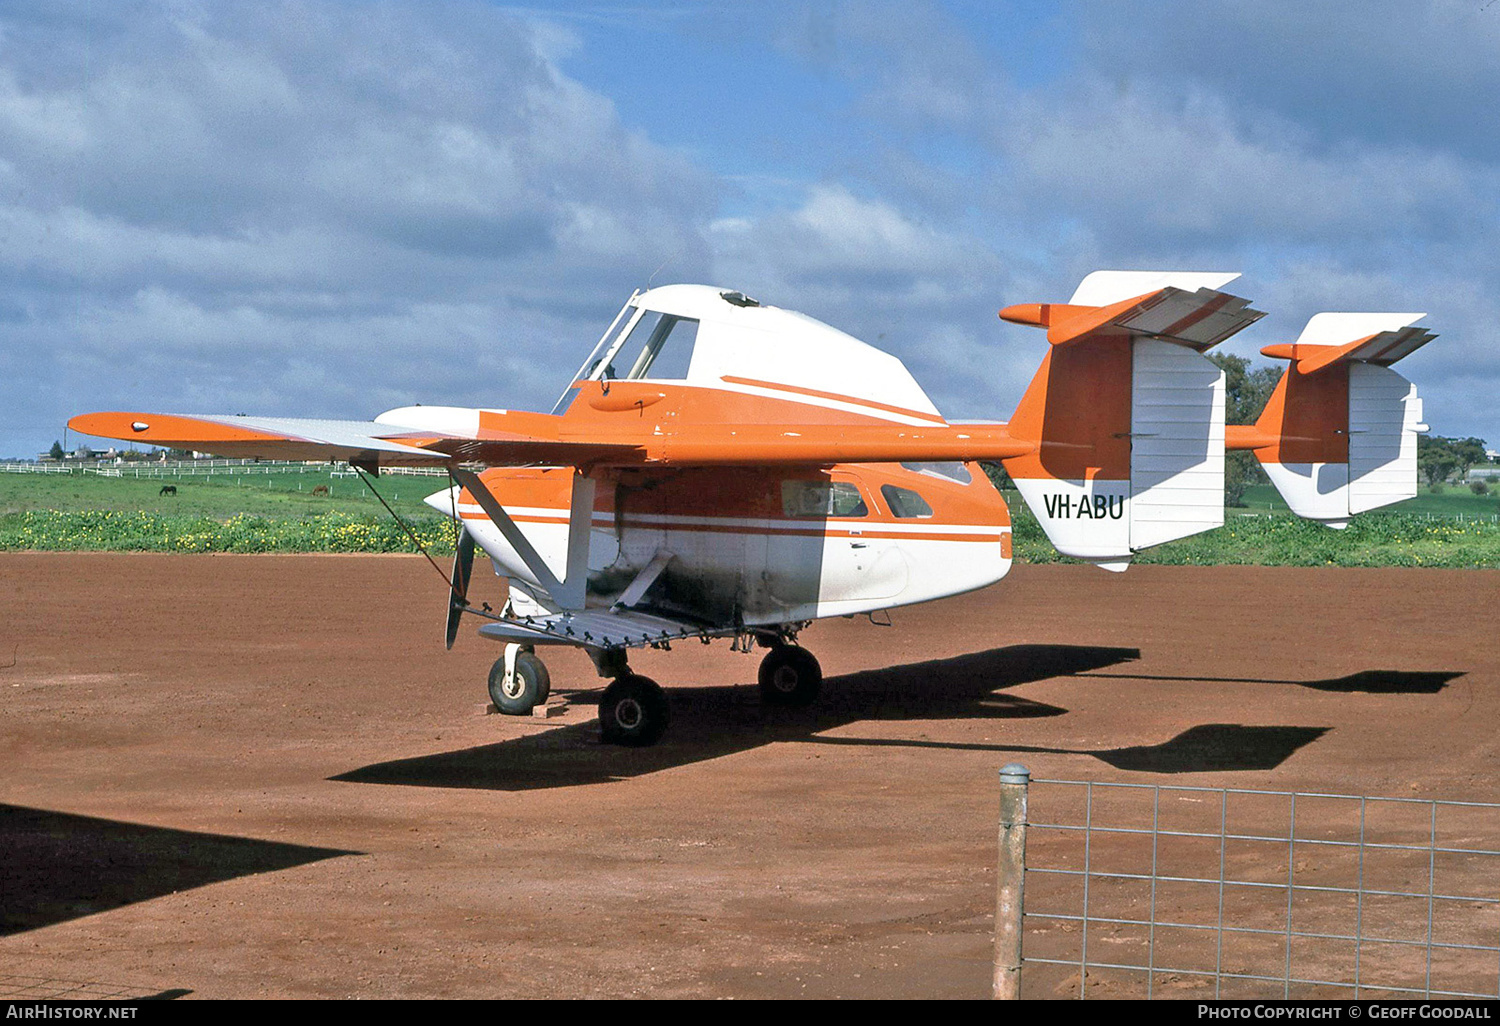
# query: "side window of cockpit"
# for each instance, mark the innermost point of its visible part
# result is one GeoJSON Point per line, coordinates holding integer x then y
{"type": "Point", "coordinates": [660, 347]}
{"type": "Point", "coordinates": [818, 500]}
{"type": "Point", "coordinates": [904, 502]}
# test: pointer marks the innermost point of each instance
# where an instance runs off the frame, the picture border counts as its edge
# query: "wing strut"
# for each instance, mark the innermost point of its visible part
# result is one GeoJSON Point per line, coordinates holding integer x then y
{"type": "Point", "coordinates": [569, 592]}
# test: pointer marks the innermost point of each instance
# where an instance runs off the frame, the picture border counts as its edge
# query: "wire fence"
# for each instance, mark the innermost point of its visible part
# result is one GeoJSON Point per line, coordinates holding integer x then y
{"type": "Point", "coordinates": [1139, 890]}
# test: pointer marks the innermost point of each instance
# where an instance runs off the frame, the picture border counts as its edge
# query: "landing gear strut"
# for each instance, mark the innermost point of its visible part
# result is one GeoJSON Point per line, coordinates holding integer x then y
{"type": "Point", "coordinates": [519, 681]}
{"type": "Point", "coordinates": [789, 675]}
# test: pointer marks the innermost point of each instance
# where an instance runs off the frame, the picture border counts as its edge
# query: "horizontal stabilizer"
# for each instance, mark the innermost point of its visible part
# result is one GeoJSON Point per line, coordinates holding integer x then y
{"type": "Point", "coordinates": [1381, 339]}
{"type": "Point", "coordinates": [1179, 307]}
{"type": "Point", "coordinates": [1104, 288]}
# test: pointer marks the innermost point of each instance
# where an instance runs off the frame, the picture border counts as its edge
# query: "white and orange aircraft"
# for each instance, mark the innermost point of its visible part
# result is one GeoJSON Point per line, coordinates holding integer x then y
{"type": "Point", "coordinates": [719, 468]}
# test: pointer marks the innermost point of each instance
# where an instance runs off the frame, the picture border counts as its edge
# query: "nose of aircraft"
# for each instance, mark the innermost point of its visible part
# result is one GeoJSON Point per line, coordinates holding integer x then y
{"type": "Point", "coordinates": [445, 501]}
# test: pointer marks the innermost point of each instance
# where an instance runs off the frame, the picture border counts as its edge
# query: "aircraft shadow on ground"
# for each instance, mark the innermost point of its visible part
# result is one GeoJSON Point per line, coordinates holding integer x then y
{"type": "Point", "coordinates": [57, 866]}
{"type": "Point", "coordinates": [1206, 748]}
{"type": "Point", "coordinates": [717, 721]}
{"type": "Point", "coordinates": [1365, 682]}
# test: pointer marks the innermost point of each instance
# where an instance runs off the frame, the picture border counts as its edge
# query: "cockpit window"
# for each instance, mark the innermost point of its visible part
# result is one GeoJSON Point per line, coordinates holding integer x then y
{"type": "Point", "coordinates": [904, 502]}
{"type": "Point", "coordinates": [639, 344]}
{"type": "Point", "coordinates": [617, 329]}
{"type": "Point", "coordinates": [818, 500]}
{"type": "Point", "coordinates": [660, 346]}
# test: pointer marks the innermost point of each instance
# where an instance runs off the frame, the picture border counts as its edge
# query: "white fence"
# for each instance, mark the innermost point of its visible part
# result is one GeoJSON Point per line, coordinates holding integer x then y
{"type": "Point", "coordinates": [185, 468]}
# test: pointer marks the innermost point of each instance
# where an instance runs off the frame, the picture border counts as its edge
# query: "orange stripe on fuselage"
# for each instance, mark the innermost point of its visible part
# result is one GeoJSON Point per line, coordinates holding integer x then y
{"type": "Point", "coordinates": [835, 396]}
{"type": "Point", "coordinates": [751, 493]}
{"type": "Point", "coordinates": [937, 534]}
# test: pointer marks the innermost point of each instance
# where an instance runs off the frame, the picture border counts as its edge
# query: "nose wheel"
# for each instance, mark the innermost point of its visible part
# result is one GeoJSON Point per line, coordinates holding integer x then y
{"type": "Point", "coordinates": [633, 711]}
{"type": "Point", "coordinates": [519, 682]}
{"type": "Point", "coordinates": [789, 675]}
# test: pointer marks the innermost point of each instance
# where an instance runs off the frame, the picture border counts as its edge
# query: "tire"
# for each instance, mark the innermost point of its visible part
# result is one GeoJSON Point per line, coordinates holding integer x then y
{"type": "Point", "coordinates": [531, 688]}
{"type": "Point", "coordinates": [633, 712]}
{"type": "Point", "coordinates": [789, 675]}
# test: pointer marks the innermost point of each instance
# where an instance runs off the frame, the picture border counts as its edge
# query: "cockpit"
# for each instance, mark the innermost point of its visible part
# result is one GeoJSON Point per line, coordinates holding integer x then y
{"type": "Point", "coordinates": [640, 344]}
{"type": "Point", "coordinates": [707, 337]}
{"type": "Point", "coordinates": [643, 344]}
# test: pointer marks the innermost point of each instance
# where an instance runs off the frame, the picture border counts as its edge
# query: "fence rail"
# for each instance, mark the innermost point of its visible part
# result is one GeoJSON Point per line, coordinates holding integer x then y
{"type": "Point", "coordinates": [1152, 890]}
{"type": "Point", "coordinates": [183, 468]}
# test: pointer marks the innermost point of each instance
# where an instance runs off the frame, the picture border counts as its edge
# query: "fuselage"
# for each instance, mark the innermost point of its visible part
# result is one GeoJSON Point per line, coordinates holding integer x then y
{"type": "Point", "coordinates": [759, 546]}
{"type": "Point", "coordinates": [720, 520]}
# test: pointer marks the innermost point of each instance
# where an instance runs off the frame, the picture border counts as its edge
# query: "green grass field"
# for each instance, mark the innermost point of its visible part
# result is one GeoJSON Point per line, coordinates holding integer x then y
{"type": "Point", "coordinates": [1449, 530]}
{"type": "Point", "coordinates": [279, 494]}
{"type": "Point", "coordinates": [274, 512]}
{"type": "Point", "coordinates": [277, 512]}
{"type": "Point", "coordinates": [1455, 500]}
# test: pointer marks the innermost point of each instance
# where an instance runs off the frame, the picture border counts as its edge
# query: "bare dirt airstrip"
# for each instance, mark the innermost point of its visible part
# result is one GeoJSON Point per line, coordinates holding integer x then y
{"type": "Point", "coordinates": [245, 776]}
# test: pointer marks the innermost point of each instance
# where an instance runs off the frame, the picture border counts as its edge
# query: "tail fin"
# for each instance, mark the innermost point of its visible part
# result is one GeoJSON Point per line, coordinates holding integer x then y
{"type": "Point", "coordinates": [1127, 413]}
{"type": "Point", "coordinates": [1339, 434]}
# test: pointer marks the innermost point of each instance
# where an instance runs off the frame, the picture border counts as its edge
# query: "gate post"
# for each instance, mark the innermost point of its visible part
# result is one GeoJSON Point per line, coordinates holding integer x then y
{"type": "Point", "coordinates": [1010, 881]}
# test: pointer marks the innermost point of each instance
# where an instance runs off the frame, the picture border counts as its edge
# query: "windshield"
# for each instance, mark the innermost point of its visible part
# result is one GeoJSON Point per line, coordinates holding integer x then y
{"type": "Point", "coordinates": [612, 336]}
{"type": "Point", "coordinates": [659, 346]}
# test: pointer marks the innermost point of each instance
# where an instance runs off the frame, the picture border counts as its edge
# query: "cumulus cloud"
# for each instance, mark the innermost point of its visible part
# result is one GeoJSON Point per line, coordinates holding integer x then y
{"type": "Point", "coordinates": [1337, 155]}
{"type": "Point", "coordinates": [926, 293]}
{"type": "Point", "coordinates": [306, 207]}
{"type": "Point", "coordinates": [1382, 71]}
{"type": "Point", "coordinates": [297, 206]}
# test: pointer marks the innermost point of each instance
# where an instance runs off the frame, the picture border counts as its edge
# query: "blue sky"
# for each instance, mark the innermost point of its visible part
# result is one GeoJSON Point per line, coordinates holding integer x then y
{"type": "Point", "coordinates": [330, 209]}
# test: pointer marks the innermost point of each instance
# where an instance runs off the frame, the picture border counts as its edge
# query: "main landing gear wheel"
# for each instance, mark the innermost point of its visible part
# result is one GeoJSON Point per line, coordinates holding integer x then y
{"type": "Point", "coordinates": [527, 688]}
{"type": "Point", "coordinates": [633, 712]}
{"type": "Point", "coordinates": [789, 675]}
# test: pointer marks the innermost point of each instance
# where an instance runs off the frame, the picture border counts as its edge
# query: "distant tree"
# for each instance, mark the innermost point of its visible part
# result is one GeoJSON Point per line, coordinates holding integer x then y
{"type": "Point", "coordinates": [1246, 392]}
{"type": "Point", "coordinates": [1467, 451]}
{"type": "Point", "coordinates": [56, 452]}
{"type": "Point", "coordinates": [1440, 458]}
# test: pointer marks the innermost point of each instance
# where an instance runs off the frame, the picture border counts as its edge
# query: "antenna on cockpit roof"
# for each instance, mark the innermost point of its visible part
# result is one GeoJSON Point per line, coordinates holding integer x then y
{"type": "Point", "coordinates": [654, 273]}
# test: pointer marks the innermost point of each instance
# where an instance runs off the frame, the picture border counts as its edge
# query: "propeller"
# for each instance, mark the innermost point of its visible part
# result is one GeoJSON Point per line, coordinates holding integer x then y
{"type": "Point", "coordinates": [458, 594]}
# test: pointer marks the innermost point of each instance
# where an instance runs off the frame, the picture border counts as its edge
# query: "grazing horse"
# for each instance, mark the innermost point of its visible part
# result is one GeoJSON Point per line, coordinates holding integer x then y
{"type": "Point", "coordinates": [167, 490]}
{"type": "Point", "coordinates": [320, 490]}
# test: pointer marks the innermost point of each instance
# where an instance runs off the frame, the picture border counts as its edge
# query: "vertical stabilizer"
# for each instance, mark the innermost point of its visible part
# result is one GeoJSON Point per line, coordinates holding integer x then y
{"type": "Point", "coordinates": [1339, 434]}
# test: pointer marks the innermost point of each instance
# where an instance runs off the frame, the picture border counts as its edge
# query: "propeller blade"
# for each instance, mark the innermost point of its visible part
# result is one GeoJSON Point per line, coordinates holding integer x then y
{"type": "Point", "coordinates": [463, 568]}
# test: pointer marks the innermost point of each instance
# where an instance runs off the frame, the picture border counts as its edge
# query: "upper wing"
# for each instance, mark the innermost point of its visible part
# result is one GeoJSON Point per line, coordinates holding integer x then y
{"type": "Point", "coordinates": [613, 434]}
{"type": "Point", "coordinates": [361, 442]}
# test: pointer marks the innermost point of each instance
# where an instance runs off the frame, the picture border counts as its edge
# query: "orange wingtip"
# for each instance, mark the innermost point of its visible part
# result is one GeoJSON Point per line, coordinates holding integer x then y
{"type": "Point", "coordinates": [163, 429]}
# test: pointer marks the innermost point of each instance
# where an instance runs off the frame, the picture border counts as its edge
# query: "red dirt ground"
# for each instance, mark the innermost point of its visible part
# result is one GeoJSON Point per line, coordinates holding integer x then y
{"type": "Point", "coordinates": [247, 776]}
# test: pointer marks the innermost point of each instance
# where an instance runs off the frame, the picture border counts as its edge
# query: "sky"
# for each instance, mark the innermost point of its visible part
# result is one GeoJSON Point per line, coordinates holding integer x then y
{"type": "Point", "coordinates": [335, 208]}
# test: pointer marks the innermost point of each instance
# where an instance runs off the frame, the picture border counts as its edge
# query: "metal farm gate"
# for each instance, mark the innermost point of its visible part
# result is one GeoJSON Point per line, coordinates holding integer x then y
{"type": "Point", "coordinates": [1140, 890]}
